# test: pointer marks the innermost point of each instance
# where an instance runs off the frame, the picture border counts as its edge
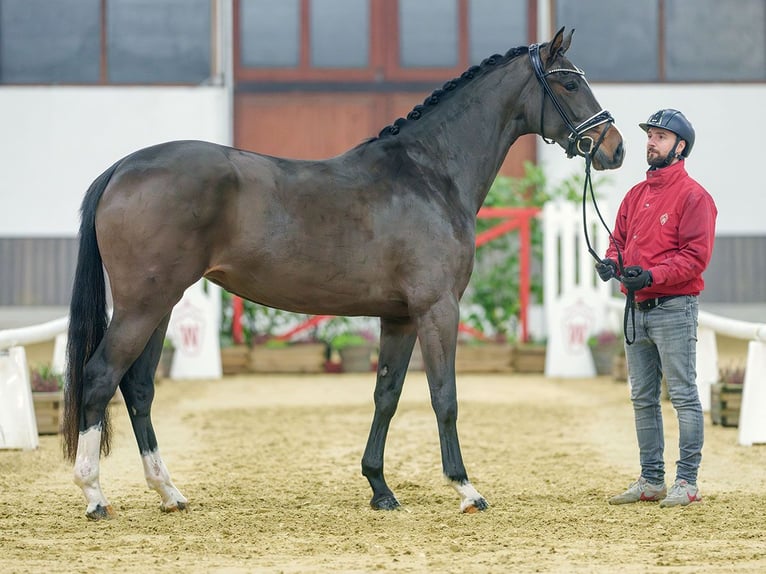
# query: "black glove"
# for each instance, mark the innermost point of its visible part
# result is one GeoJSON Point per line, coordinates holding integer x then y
{"type": "Point", "coordinates": [606, 269]}
{"type": "Point", "coordinates": [636, 278]}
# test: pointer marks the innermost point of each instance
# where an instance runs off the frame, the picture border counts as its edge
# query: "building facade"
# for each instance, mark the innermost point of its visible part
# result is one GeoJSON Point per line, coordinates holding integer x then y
{"type": "Point", "coordinates": [86, 82]}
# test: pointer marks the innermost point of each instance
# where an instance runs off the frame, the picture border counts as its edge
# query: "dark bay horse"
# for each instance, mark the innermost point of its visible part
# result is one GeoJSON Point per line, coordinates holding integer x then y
{"type": "Point", "coordinates": [386, 229]}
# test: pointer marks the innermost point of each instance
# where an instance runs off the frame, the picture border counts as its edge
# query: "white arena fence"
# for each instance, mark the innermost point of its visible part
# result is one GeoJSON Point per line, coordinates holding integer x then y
{"type": "Point", "coordinates": [577, 305]}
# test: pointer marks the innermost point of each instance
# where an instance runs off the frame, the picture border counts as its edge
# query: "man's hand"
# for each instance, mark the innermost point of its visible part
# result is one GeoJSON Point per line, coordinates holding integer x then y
{"type": "Point", "coordinates": [636, 278]}
{"type": "Point", "coordinates": [606, 269]}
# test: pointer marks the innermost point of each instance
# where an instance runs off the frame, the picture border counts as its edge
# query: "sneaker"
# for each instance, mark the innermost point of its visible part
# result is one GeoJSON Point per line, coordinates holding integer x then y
{"type": "Point", "coordinates": [640, 491]}
{"type": "Point", "coordinates": [681, 494]}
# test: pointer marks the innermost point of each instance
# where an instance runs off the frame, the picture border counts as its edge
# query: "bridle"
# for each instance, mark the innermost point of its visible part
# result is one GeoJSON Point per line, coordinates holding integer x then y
{"type": "Point", "coordinates": [577, 135]}
{"type": "Point", "coordinates": [575, 143]}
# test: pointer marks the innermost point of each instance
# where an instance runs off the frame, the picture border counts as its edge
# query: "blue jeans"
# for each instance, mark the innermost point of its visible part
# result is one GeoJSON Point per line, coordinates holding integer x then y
{"type": "Point", "coordinates": [666, 343]}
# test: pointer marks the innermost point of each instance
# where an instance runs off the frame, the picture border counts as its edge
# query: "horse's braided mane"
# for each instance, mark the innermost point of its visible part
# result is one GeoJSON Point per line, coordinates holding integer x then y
{"type": "Point", "coordinates": [451, 86]}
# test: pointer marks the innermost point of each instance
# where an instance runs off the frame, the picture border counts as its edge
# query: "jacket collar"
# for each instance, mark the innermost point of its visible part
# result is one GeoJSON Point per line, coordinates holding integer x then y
{"type": "Point", "coordinates": [667, 175]}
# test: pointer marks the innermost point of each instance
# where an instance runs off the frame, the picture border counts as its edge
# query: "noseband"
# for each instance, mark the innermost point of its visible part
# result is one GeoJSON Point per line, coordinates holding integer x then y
{"type": "Point", "coordinates": [577, 138]}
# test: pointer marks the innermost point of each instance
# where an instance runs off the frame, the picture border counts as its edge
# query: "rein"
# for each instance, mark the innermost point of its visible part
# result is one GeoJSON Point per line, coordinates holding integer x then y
{"type": "Point", "coordinates": [575, 144]}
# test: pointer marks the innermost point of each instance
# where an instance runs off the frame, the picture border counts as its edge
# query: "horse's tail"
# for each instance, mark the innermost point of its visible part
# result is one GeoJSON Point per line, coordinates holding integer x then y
{"type": "Point", "coordinates": [87, 318]}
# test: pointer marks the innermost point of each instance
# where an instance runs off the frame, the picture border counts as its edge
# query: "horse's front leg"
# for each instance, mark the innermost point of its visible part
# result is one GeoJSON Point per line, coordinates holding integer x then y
{"type": "Point", "coordinates": [396, 343]}
{"type": "Point", "coordinates": [437, 331]}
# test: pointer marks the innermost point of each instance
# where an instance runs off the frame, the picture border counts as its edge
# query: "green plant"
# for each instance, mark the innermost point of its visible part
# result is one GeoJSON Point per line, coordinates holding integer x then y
{"type": "Point", "coordinates": [44, 380]}
{"type": "Point", "coordinates": [345, 340]}
{"type": "Point", "coordinates": [491, 302]}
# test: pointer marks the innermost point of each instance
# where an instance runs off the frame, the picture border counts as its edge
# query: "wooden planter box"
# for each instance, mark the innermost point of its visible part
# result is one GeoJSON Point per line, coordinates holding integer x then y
{"type": "Point", "coordinates": [296, 358]}
{"type": "Point", "coordinates": [49, 407]}
{"type": "Point", "coordinates": [529, 358]}
{"type": "Point", "coordinates": [235, 360]}
{"type": "Point", "coordinates": [483, 358]}
{"type": "Point", "coordinates": [725, 402]}
{"type": "Point", "coordinates": [356, 358]}
{"type": "Point", "coordinates": [604, 356]}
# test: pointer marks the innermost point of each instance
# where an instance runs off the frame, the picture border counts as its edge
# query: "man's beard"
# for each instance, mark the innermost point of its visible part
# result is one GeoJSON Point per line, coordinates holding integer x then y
{"type": "Point", "coordinates": [655, 160]}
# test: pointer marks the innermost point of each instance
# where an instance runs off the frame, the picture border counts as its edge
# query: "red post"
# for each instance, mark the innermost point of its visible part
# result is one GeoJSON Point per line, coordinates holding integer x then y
{"type": "Point", "coordinates": [237, 308]}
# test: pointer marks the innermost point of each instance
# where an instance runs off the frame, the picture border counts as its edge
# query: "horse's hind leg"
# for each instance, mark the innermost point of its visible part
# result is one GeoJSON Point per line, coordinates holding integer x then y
{"type": "Point", "coordinates": [122, 344]}
{"type": "Point", "coordinates": [396, 343]}
{"type": "Point", "coordinates": [138, 390]}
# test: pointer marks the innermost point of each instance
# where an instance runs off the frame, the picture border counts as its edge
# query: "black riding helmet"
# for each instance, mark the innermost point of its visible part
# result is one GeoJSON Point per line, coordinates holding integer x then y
{"type": "Point", "coordinates": [674, 121]}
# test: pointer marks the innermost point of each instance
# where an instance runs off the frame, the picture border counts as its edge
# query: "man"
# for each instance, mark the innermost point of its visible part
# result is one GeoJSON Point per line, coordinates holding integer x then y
{"type": "Point", "coordinates": [664, 230]}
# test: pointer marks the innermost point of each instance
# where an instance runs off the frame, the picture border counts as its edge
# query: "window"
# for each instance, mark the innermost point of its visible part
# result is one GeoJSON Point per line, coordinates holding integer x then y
{"type": "Point", "coordinates": [428, 33]}
{"type": "Point", "coordinates": [158, 42]}
{"type": "Point", "coordinates": [373, 40]}
{"type": "Point", "coordinates": [619, 43]}
{"type": "Point", "coordinates": [667, 40]}
{"type": "Point", "coordinates": [335, 43]}
{"type": "Point", "coordinates": [43, 42]}
{"type": "Point", "coordinates": [709, 40]}
{"type": "Point", "coordinates": [143, 41]}
{"type": "Point", "coordinates": [269, 33]}
{"type": "Point", "coordinates": [303, 39]}
{"type": "Point", "coordinates": [495, 26]}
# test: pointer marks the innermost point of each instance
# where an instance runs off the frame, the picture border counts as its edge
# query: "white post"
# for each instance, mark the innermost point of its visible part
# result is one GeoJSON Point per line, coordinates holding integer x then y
{"type": "Point", "coordinates": [707, 364]}
{"type": "Point", "coordinates": [575, 300]}
{"type": "Point", "coordinates": [193, 328]}
{"type": "Point", "coordinates": [18, 425]}
{"type": "Point", "coordinates": [752, 422]}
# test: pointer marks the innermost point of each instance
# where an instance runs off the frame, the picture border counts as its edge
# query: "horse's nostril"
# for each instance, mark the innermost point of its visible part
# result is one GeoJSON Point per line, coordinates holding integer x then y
{"type": "Point", "coordinates": [619, 152]}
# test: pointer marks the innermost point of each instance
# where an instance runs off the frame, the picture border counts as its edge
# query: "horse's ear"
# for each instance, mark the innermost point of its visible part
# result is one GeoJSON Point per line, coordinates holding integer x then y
{"type": "Point", "coordinates": [559, 45]}
{"type": "Point", "coordinates": [567, 42]}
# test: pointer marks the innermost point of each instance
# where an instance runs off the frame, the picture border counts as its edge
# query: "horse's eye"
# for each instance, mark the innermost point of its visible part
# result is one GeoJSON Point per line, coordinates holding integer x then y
{"type": "Point", "coordinates": [570, 86]}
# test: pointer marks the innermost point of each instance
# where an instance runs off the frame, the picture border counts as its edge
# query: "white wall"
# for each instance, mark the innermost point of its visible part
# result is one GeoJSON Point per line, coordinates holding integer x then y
{"type": "Point", "coordinates": [54, 141]}
{"type": "Point", "coordinates": [728, 158]}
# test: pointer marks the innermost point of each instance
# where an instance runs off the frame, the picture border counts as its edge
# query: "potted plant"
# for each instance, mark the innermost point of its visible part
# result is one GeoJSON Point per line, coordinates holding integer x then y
{"type": "Point", "coordinates": [356, 350]}
{"type": "Point", "coordinates": [48, 398]}
{"type": "Point", "coordinates": [604, 346]}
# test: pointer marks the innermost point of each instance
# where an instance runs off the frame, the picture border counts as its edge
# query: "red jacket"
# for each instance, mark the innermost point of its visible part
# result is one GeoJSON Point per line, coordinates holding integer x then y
{"type": "Point", "coordinates": [666, 224]}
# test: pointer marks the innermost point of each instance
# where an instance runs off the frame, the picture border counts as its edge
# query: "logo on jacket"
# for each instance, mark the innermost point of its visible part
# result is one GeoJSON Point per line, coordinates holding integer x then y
{"type": "Point", "coordinates": [663, 219]}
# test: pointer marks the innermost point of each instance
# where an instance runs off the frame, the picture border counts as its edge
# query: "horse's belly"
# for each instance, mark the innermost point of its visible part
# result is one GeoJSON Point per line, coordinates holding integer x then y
{"type": "Point", "coordinates": [318, 293]}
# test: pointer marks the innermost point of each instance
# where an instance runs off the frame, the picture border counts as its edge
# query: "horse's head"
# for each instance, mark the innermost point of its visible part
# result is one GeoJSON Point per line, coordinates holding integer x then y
{"type": "Point", "coordinates": [569, 112]}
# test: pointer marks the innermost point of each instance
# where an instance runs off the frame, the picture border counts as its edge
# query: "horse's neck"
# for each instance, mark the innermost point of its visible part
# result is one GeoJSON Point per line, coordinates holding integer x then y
{"type": "Point", "coordinates": [483, 122]}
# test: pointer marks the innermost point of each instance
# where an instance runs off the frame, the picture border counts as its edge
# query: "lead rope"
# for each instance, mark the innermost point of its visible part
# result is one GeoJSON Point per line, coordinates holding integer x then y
{"type": "Point", "coordinates": [630, 308]}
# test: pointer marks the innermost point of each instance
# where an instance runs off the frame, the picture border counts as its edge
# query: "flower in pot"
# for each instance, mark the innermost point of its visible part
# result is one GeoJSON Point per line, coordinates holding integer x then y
{"type": "Point", "coordinates": [47, 396]}
{"type": "Point", "coordinates": [44, 380]}
{"type": "Point", "coordinates": [355, 350]}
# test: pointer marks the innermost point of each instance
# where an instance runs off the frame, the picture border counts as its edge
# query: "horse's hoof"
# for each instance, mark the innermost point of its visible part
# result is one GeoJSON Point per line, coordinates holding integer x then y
{"type": "Point", "coordinates": [179, 506]}
{"type": "Point", "coordinates": [476, 506]}
{"type": "Point", "coordinates": [101, 513]}
{"type": "Point", "coordinates": [387, 502]}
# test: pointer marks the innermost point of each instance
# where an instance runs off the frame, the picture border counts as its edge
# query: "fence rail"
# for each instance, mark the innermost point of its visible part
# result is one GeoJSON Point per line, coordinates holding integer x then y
{"type": "Point", "coordinates": [721, 325]}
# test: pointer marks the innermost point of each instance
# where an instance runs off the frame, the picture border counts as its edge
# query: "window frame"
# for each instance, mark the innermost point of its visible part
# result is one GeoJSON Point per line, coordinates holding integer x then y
{"type": "Point", "coordinates": [383, 51]}
{"type": "Point", "coordinates": [103, 64]}
{"type": "Point", "coordinates": [662, 47]}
